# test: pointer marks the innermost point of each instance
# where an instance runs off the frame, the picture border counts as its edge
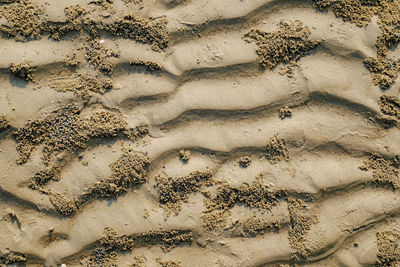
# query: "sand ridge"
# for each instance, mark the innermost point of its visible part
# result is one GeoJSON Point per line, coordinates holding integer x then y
{"type": "Point", "coordinates": [199, 133]}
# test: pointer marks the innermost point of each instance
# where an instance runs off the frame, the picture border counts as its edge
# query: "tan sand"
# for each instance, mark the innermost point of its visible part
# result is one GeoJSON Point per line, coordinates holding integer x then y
{"type": "Point", "coordinates": [197, 133]}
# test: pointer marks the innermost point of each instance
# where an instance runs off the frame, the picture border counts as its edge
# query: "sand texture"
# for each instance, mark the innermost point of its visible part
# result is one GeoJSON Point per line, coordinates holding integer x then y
{"type": "Point", "coordinates": [191, 133]}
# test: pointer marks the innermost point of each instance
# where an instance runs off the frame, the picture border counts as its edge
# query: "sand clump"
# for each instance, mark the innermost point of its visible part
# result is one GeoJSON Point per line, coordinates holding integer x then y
{"type": "Point", "coordinates": [390, 106]}
{"type": "Point", "coordinates": [174, 191]}
{"type": "Point", "coordinates": [244, 162]}
{"type": "Point", "coordinates": [75, 22]}
{"type": "Point", "coordinates": [360, 12]}
{"type": "Point", "coordinates": [65, 130]}
{"type": "Point", "coordinates": [52, 237]}
{"type": "Point", "coordinates": [12, 257]}
{"type": "Point", "coordinates": [23, 71]}
{"type": "Point", "coordinates": [128, 171]}
{"type": "Point", "coordinates": [184, 155]}
{"type": "Point", "coordinates": [388, 249]}
{"type": "Point", "coordinates": [258, 195]}
{"type": "Point", "coordinates": [4, 123]}
{"type": "Point", "coordinates": [285, 112]}
{"type": "Point", "coordinates": [62, 205]}
{"type": "Point", "coordinates": [384, 71]}
{"type": "Point", "coordinates": [385, 172]}
{"type": "Point", "coordinates": [58, 132]}
{"type": "Point", "coordinates": [276, 150]}
{"type": "Point", "coordinates": [100, 57]}
{"type": "Point", "coordinates": [23, 20]}
{"type": "Point", "coordinates": [166, 239]}
{"type": "Point", "coordinates": [82, 85]}
{"type": "Point", "coordinates": [108, 248]}
{"type": "Point", "coordinates": [168, 263]}
{"type": "Point", "coordinates": [149, 65]}
{"type": "Point", "coordinates": [139, 261]}
{"type": "Point", "coordinates": [388, 39]}
{"type": "Point", "coordinates": [148, 31]}
{"type": "Point", "coordinates": [253, 226]}
{"type": "Point", "coordinates": [287, 44]}
{"type": "Point", "coordinates": [112, 244]}
{"type": "Point", "coordinates": [41, 178]}
{"type": "Point", "coordinates": [302, 217]}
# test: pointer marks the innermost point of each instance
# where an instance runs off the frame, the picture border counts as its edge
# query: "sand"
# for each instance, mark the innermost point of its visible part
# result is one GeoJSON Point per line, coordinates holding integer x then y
{"type": "Point", "coordinates": [178, 133]}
